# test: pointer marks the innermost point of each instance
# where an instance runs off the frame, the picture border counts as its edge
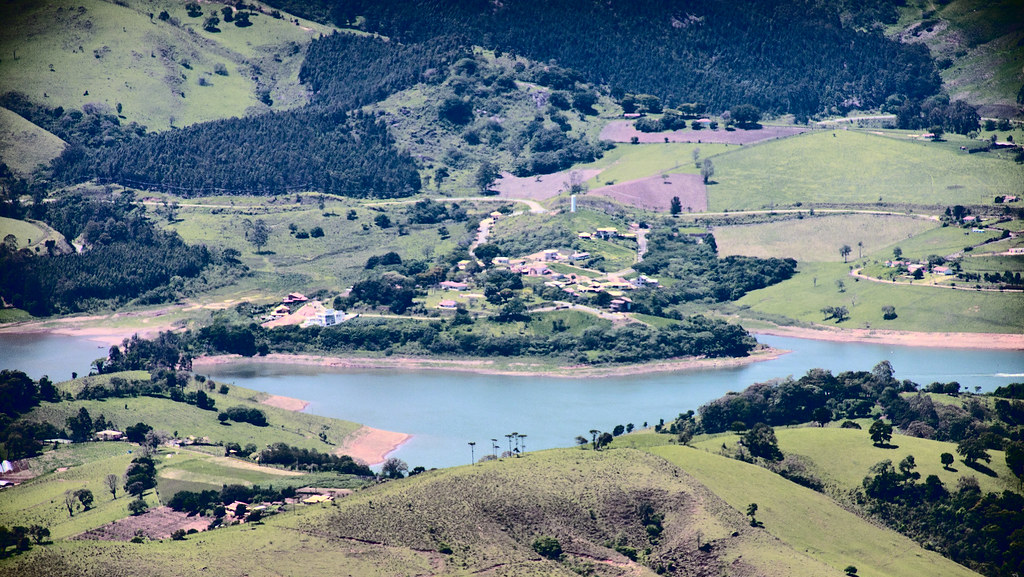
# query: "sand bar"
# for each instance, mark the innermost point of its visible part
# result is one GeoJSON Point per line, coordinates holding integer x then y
{"type": "Point", "coordinates": [992, 341]}
{"type": "Point", "coordinates": [371, 446]}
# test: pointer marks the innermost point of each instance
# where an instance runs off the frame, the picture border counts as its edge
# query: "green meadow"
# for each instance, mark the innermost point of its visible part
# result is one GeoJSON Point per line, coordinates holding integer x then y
{"type": "Point", "coordinates": [853, 167]}
{"type": "Point", "coordinates": [162, 73]}
{"type": "Point", "coordinates": [919, 308]}
{"type": "Point", "coordinates": [818, 238]}
{"type": "Point", "coordinates": [23, 145]}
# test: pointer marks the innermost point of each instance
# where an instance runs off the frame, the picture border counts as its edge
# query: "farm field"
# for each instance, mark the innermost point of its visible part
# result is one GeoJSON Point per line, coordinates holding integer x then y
{"type": "Point", "coordinates": [919, 308]}
{"type": "Point", "coordinates": [628, 162]}
{"type": "Point", "coordinates": [23, 145]}
{"type": "Point", "coordinates": [852, 167]}
{"type": "Point", "coordinates": [151, 67]}
{"type": "Point", "coordinates": [31, 234]}
{"type": "Point", "coordinates": [818, 238]}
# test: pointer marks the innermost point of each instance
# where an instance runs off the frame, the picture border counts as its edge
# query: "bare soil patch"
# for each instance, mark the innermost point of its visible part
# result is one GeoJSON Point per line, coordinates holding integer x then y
{"type": "Point", "coordinates": [993, 341]}
{"type": "Point", "coordinates": [157, 523]}
{"type": "Point", "coordinates": [541, 187]}
{"type": "Point", "coordinates": [371, 446]}
{"type": "Point", "coordinates": [286, 403]}
{"type": "Point", "coordinates": [655, 192]}
{"type": "Point", "coordinates": [623, 131]}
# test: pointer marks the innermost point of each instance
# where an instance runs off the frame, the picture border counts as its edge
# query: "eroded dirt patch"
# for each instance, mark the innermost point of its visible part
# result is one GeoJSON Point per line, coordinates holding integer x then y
{"type": "Point", "coordinates": [656, 192]}
{"type": "Point", "coordinates": [623, 131]}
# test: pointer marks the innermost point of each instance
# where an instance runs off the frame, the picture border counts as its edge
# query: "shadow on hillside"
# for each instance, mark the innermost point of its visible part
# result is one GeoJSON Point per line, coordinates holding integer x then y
{"type": "Point", "coordinates": [887, 446]}
{"type": "Point", "coordinates": [982, 469]}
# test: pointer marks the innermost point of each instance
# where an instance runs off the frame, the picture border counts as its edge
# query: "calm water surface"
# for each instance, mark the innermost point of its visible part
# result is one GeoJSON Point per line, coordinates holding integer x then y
{"type": "Point", "coordinates": [446, 410]}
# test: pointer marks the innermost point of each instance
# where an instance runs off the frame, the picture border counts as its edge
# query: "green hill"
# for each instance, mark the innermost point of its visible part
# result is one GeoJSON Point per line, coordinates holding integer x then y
{"type": "Point", "coordinates": [160, 73]}
{"type": "Point", "coordinates": [23, 145]}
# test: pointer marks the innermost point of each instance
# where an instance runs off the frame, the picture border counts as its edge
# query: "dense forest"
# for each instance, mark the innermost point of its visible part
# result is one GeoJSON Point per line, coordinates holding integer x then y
{"type": "Point", "coordinates": [802, 57]}
{"type": "Point", "coordinates": [126, 258]}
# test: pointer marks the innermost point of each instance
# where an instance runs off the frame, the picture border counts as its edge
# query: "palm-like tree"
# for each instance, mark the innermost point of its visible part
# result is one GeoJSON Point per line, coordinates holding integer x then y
{"type": "Point", "coordinates": [472, 453]}
{"type": "Point", "coordinates": [494, 447]}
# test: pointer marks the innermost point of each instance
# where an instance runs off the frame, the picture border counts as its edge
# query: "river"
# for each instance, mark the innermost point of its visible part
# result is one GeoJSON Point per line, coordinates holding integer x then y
{"type": "Point", "coordinates": [446, 410]}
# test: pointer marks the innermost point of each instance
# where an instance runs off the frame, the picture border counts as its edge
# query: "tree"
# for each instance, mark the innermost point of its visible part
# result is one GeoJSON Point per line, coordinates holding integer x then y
{"type": "Point", "coordinates": [860, 249]}
{"type": "Point", "coordinates": [707, 170]}
{"type": "Point", "coordinates": [84, 497]}
{"type": "Point", "coordinates": [138, 506]}
{"type": "Point", "coordinates": [761, 442]}
{"type": "Point", "coordinates": [850, 570]}
{"type": "Point", "coordinates": [210, 24]}
{"type": "Point", "coordinates": [881, 433]}
{"type": "Point", "coordinates": [485, 176]}
{"type": "Point", "coordinates": [1015, 461]}
{"type": "Point", "coordinates": [548, 547]}
{"type": "Point", "coordinates": [907, 466]}
{"type": "Point", "coordinates": [947, 459]}
{"type": "Point", "coordinates": [897, 252]}
{"type": "Point", "coordinates": [676, 206]}
{"type": "Point", "coordinates": [193, 9]}
{"type": "Point", "coordinates": [840, 313]}
{"type": "Point", "coordinates": [973, 450]}
{"type": "Point", "coordinates": [751, 512]}
{"type": "Point", "coordinates": [888, 312]}
{"type": "Point", "coordinates": [69, 502]}
{"type": "Point", "coordinates": [257, 233]}
{"type": "Point", "coordinates": [38, 533]}
{"type": "Point", "coordinates": [937, 132]}
{"type": "Point", "coordinates": [746, 115]}
{"type": "Point", "coordinates": [844, 251]}
{"type": "Point", "coordinates": [80, 426]}
{"type": "Point", "coordinates": [382, 221]}
{"type": "Point", "coordinates": [394, 468]}
{"type": "Point", "coordinates": [112, 482]}
{"type": "Point", "coordinates": [472, 454]}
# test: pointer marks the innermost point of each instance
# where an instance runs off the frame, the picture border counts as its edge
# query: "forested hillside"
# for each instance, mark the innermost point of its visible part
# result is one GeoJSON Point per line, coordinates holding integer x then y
{"type": "Point", "coordinates": [802, 57]}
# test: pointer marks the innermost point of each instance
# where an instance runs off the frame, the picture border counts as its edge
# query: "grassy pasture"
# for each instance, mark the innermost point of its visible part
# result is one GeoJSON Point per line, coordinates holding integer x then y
{"type": "Point", "coordinates": [809, 521]}
{"type": "Point", "coordinates": [105, 53]}
{"type": "Point", "coordinates": [991, 264]}
{"type": "Point", "coordinates": [845, 456]}
{"type": "Point", "coordinates": [29, 234]}
{"type": "Point", "coordinates": [817, 239]}
{"type": "Point", "coordinates": [940, 241]}
{"type": "Point", "coordinates": [332, 261]}
{"type": "Point", "coordinates": [919, 308]}
{"type": "Point", "coordinates": [23, 145]}
{"type": "Point", "coordinates": [294, 428]}
{"type": "Point", "coordinates": [628, 162]}
{"type": "Point", "coordinates": [851, 167]}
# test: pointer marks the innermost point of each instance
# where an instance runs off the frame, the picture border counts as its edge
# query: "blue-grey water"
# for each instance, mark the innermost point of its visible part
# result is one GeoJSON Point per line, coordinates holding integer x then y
{"type": "Point", "coordinates": [446, 410]}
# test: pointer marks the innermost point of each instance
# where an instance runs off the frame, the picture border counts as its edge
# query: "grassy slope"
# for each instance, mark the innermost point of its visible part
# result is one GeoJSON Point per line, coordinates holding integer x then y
{"type": "Point", "coordinates": [919, 308]}
{"type": "Point", "coordinates": [627, 162]}
{"type": "Point", "coordinates": [298, 429]}
{"type": "Point", "coordinates": [797, 238]}
{"type": "Point", "coordinates": [23, 145]}
{"type": "Point", "coordinates": [30, 234]}
{"type": "Point", "coordinates": [141, 59]}
{"type": "Point", "coordinates": [810, 521]}
{"type": "Point", "coordinates": [982, 38]}
{"type": "Point", "coordinates": [857, 167]}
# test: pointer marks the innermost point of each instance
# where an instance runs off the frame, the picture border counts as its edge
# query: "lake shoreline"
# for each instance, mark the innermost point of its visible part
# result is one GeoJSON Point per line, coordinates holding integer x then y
{"type": "Point", "coordinates": [491, 367]}
{"type": "Point", "coordinates": [950, 340]}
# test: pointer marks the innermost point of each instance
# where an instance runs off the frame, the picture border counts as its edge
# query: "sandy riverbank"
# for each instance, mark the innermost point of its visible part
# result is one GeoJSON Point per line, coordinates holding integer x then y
{"type": "Point", "coordinates": [371, 446]}
{"type": "Point", "coordinates": [366, 444]}
{"type": "Point", "coordinates": [993, 341]}
{"type": "Point", "coordinates": [491, 367]}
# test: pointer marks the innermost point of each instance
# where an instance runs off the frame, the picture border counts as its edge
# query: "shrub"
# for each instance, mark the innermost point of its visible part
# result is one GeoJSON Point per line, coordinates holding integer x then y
{"type": "Point", "coordinates": [548, 547]}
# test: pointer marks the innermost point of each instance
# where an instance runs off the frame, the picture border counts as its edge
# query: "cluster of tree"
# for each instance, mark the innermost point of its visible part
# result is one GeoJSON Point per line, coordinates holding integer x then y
{"type": "Point", "coordinates": [821, 55]}
{"type": "Point", "coordinates": [311, 459]}
{"type": "Point", "coordinates": [240, 414]}
{"type": "Point", "coordinates": [695, 335]}
{"type": "Point", "coordinates": [20, 439]}
{"type": "Point", "coordinates": [126, 258]}
{"type": "Point", "coordinates": [391, 290]}
{"type": "Point", "coordinates": [818, 396]}
{"type": "Point", "coordinates": [699, 274]}
{"type": "Point", "coordinates": [936, 114]}
{"type": "Point", "coordinates": [323, 149]}
{"type": "Point", "coordinates": [21, 537]}
{"type": "Point", "coordinates": [427, 211]}
{"type": "Point", "coordinates": [552, 149]}
{"type": "Point", "coordinates": [211, 503]}
{"type": "Point", "coordinates": [984, 532]}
